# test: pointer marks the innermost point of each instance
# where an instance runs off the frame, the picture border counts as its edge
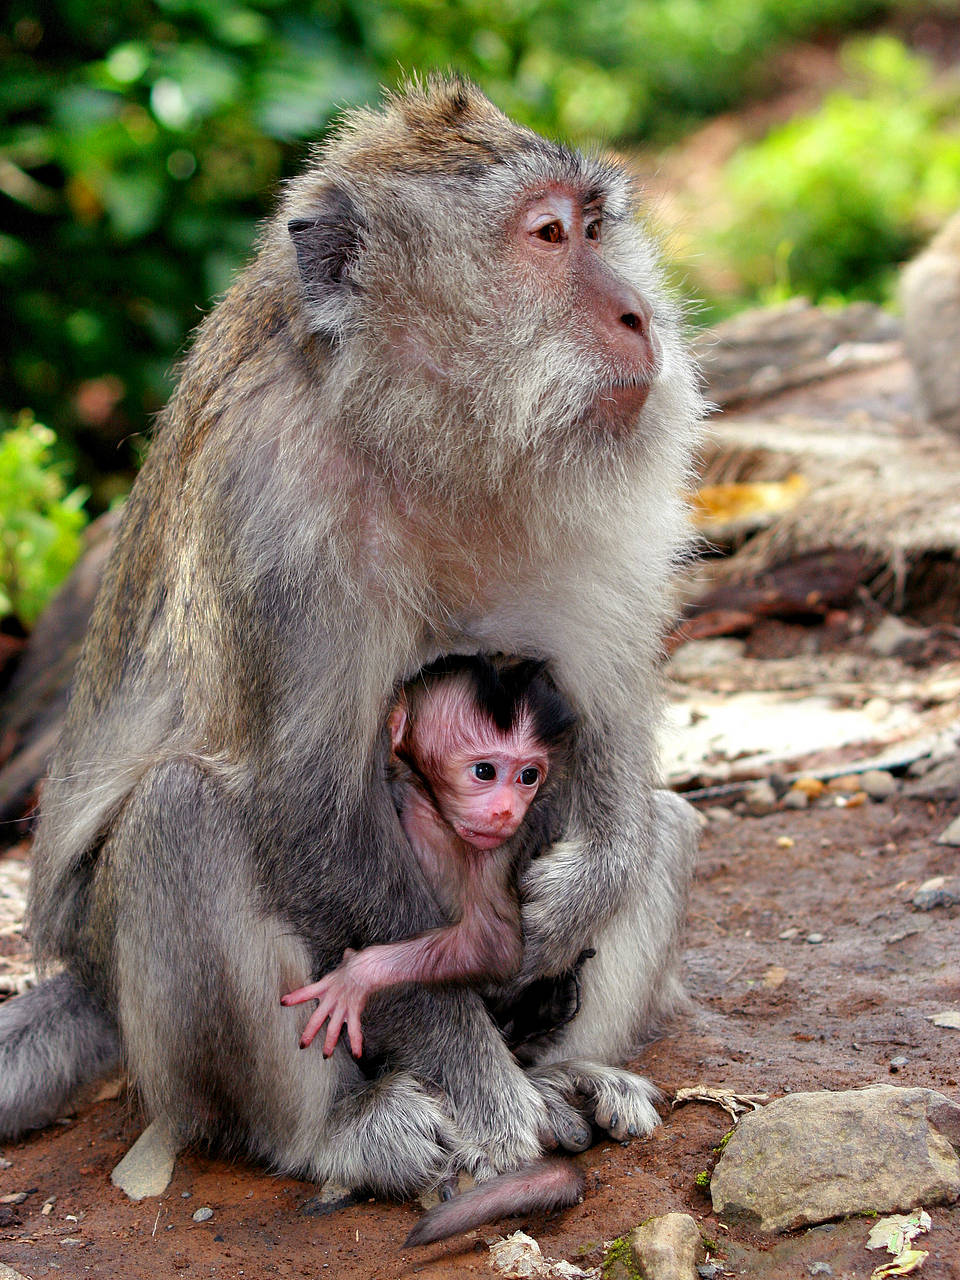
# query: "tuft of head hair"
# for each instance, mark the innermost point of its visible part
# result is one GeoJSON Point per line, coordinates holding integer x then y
{"type": "Point", "coordinates": [506, 690]}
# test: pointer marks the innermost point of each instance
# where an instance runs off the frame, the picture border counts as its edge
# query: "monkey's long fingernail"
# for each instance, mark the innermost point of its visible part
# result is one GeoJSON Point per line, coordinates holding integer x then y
{"type": "Point", "coordinates": [614, 1120]}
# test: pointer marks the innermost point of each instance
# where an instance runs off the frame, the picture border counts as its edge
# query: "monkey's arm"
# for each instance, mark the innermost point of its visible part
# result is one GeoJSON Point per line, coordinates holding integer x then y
{"type": "Point", "coordinates": [483, 945]}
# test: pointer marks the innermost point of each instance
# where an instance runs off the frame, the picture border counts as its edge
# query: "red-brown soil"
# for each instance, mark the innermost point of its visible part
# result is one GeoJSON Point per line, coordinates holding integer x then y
{"type": "Point", "coordinates": [843, 1010]}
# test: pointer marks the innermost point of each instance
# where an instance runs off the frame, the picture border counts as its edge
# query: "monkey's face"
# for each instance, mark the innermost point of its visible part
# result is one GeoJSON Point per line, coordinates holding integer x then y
{"type": "Point", "coordinates": [558, 244]}
{"type": "Point", "coordinates": [492, 305]}
{"type": "Point", "coordinates": [484, 794]}
{"type": "Point", "coordinates": [482, 778]}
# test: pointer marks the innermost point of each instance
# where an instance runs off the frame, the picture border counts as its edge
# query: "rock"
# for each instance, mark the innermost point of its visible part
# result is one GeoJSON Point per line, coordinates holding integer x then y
{"type": "Point", "coordinates": [668, 1247]}
{"type": "Point", "coordinates": [760, 798]}
{"type": "Point", "coordinates": [941, 782]}
{"type": "Point", "coordinates": [940, 891]}
{"type": "Point", "coordinates": [8, 1273]}
{"type": "Point", "coordinates": [331, 1197]}
{"type": "Point", "coordinates": [951, 835]}
{"type": "Point", "coordinates": [878, 784]}
{"type": "Point", "coordinates": [795, 799]}
{"type": "Point", "coordinates": [203, 1215]}
{"type": "Point", "coordinates": [716, 813]}
{"type": "Point", "coordinates": [147, 1167]}
{"type": "Point", "coordinates": [892, 635]}
{"type": "Point", "coordinates": [702, 657]}
{"type": "Point", "coordinates": [810, 1157]}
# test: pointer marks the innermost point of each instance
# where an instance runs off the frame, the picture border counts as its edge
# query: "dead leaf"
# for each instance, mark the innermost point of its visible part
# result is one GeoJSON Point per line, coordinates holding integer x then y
{"type": "Point", "coordinates": [735, 1104]}
{"type": "Point", "coordinates": [948, 1018]}
{"type": "Point", "coordinates": [902, 1265]}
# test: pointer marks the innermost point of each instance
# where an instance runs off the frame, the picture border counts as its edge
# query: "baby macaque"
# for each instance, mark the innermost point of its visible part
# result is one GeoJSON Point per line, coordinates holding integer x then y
{"type": "Point", "coordinates": [473, 743]}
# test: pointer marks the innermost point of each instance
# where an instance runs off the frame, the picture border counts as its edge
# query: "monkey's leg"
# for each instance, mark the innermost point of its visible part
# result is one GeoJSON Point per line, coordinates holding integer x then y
{"type": "Point", "coordinates": [200, 963]}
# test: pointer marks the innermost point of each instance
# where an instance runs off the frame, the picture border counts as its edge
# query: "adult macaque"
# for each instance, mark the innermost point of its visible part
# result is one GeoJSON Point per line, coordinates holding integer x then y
{"type": "Point", "coordinates": [472, 746]}
{"type": "Point", "coordinates": [446, 409]}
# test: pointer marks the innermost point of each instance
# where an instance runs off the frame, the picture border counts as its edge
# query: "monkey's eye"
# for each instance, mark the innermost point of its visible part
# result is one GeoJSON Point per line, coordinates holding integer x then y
{"type": "Point", "coordinates": [485, 771]}
{"type": "Point", "coordinates": [593, 229]}
{"type": "Point", "coordinates": [552, 232]}
{"type": "Point", "coordinates": [529, 777]}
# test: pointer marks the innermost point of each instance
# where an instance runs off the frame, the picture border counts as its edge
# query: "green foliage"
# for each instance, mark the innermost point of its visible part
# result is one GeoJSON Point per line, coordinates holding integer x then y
{"type": "Point", "coordinates": [40, 522]}
{"type": "Point", "coordinates": [829, 204]}
{"type": "Point", "coordinates": [140, 141]}
{"type": "Point", "coordinates": [703, 1178]}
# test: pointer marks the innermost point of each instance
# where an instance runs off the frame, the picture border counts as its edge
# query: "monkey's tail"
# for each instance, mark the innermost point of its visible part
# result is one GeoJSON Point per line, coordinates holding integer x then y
{"type": "Point", "coordinates": [53, 1039]}
{"type": "Point", "coordinates": [540, 1187]}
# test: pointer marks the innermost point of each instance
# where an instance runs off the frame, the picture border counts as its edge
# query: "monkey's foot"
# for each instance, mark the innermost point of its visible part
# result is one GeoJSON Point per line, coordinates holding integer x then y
{"type": "Point", "coordinates": [501, 1128]}
{"type": "Point", "coordinates": [393, 1137]}
{"type": "Point", "coordinates": [618, 1101]}
{"type": "Point", "coordinates": [566, 1126]}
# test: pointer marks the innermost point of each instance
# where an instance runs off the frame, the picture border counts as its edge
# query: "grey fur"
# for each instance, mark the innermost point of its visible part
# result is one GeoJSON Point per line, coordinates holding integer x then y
{"type": "Point", "coordinates": [383, 448]}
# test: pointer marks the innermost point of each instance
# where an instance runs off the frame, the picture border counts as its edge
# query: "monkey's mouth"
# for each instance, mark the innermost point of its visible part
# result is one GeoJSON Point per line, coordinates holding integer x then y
{"type": "Point", "coordinates": [625, 395]}
{"type": "Point", "coordinates": [482, 839]}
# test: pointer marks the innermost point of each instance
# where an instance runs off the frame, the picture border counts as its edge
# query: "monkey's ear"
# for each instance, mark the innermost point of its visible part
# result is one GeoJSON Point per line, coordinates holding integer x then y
{"type": "Point", "coordinates": [328, 243]}
{"type": "Point", "coordinates": [397, 724]}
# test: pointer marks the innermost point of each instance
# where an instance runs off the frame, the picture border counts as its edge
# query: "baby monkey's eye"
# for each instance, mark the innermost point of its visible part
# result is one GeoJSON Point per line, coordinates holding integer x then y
{"type": "Point", "coordinates": [485, 771]}
{"type": "Point", "coordinates": [529, 777]}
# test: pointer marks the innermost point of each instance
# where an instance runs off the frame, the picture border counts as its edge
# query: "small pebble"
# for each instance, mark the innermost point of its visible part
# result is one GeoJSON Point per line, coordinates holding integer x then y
{"type": "Point", "coordinates": [716, 813]}
{"type": "Point", "coordinates": [789, 934]}
{"type": "Point", "coordinates": [820, 1269]}
{"type": "Point", "coordinates": [15, 1197]}
{"type": "Point", "coordinates": [814, 938]}
{"type": "Point", "coordinates": [939, 891]}
{"type": "Point", "coordinates": [760, 798]}
{"type": "Point", "coordinates": [709, 1270]}
{"type": "Point", "coordinates": [5, 1163]}
{"type": "Point", "coordinates": [878, 784]}
{"type": "Point", "coordinates": [898, 1062]}
{"type": "Point", "coordinates": [203, 1215]}
{"type": "Point", "coordinates": [185, 1195]}
{"type": "Point", "coordinates": [785, 842]}
{"type": "Point", "coordinates": [795, 799]}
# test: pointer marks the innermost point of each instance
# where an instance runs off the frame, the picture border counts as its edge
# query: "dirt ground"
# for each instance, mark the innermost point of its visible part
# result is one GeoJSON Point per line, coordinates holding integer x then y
{"type": "Point", "coordinates": [772, 1015]}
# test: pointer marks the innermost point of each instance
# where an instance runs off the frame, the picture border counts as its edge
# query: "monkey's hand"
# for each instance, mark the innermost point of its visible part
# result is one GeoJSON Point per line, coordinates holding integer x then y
{"type": "Point", "coordinates": [558, 914]}
{"type": "Point", "coordinates": [342, 995]}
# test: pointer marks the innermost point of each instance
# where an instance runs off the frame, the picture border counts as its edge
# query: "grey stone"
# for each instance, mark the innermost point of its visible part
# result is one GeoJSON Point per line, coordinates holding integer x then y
{"type": "Point", "coordinates": [702, 657]}
{"type": "Point", "coordinates": [204, 1214]}
{"type": "Point", "coordinates": [951, 835]}
{"type": "Point", "coordinates": [147, 1167]}
{"type": "Point", "coordinates": [878, 784]}
{"type": "Point", "coordinates": [940, 782]}
{"type": "Point", "coordinates": [668, 1247]}
{"type": "Point", "coordinates": [331, 1197]}
{"type": "Point", "coordinates": [8, 1273]}
{"type": "Point", "coordinates": [795, 799]}
{"type": "Point", "coordinates": [760, 798]}
{"type": "Point", "coordinates": [810, 1157]}
{"type": "Point", "coordinates": [891, 636]}
{"type": "Point", "coordinates": [717, 813]}
{"type": "Point", "coordinates": [940, 891]}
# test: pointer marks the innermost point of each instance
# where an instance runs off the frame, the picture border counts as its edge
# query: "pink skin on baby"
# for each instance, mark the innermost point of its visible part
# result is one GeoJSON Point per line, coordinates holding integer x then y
{"type": "Point", "coordinates": [483, 781]}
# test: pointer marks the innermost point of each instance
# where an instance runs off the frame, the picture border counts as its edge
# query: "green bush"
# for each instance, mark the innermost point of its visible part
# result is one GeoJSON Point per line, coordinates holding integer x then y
{"type": "Point", "coordinates": [40, 522]}
{"type": "Point", "coordinates": [829, 204]}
